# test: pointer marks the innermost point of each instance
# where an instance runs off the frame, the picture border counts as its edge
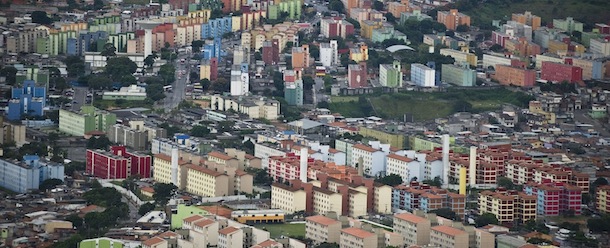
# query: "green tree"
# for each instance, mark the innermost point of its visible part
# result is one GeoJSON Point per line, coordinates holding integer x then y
{"type": "Point", "coordinates": [71, 242]}
{"type": "Point", "coordinates": [109, 50]}
{"type": "Point", "coordinates": [336, 5]}
{"type": "Point", "coordinates": [167, 72]}
{"type": "Point", "coordinates": [437, 181]}
{"type": "Point", "coordinates": [391, 180]}
{"type": "Point", "coordinates": [462, 28]}
{"type": "Point", "coordinates": [308, 83]}
{"type": "Point", "coordinates": [49, 184]}
{"type": "Point", "coordinates": [10, 73]}
{"type": "Point", "coordinates": [200, 131]}
{"type": "Point", "coordinates": [41, 17]}
{"type": "Point", "coordinates": [149, 61]}
{"type": "Point", "coordinates": [486, 219]}
{"type": "Point", "coordinates": [445, 213]}
{"type": "Point", "coordinates": [145, 208]}
{"type": "Point", "coordinates": [600, 181]}
{"type": "Point", "coordinates": [506, 183]}
{"type": "Point", "coordinates": [101, 142]}
{"type": "Point", "coordinates": [117, 67]}
{"type": "Point", "coordinates": [163, 192]}
{"type": "Point", "coordinates": [197, 45]}
{"type": "Point", "coordinates": [77, 221]}
{"type": "Point", "coordinates": [75, 66]}
{"type": "Point", "coordinates": [154, 92]}
{"type": "Point", "coordinates": [205, 84]}
{"type": "Point", "coordinates": [261, 176]}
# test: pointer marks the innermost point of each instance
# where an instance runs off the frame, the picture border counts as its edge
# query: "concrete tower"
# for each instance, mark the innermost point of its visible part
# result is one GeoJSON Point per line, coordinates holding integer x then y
{"type": "Point", "coordinates": [148, 26]}
{"type": "Point", "coordinates": [303, 164]}
{"type": "Point", "coordinates": [445, 160]}
{"type": "Point", "coordinates": [472, 167]}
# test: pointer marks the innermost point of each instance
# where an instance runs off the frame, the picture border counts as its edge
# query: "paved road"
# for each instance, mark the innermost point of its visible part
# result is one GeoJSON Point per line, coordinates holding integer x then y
{"type": "Point", "coordinates": [318, 6]}
{"type": "Point", "coordinates": [179, 86]}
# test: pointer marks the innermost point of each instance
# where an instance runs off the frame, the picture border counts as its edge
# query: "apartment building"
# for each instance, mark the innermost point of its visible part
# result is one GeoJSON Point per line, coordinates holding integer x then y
{"type": "Point", "coordinates": [373, 160]}
{"type": "Point", "coordinates": [414, 230]}
{"type": "Point", "coordinates": [163, 170]}
{"type": "Point", "coordinates": [359, 53]}
{"type": "Point", "coordinates": [602, 198]}
{"type": "Point", "coordinates": [336, 27]}
{"type": "Point", "coordinates": [254, 107]}
{"type": "Point", "coordinates": [493, 60]}
{"type": "Point", "coordinates": [591, 68]}
{"type": "Point", "coordinates": [353, 237]}
{"type": "Point", "coordinates": [300, 57]}
{"type": "Point", "coordinates": [127, 136]}
{"type": "Point", "coordinates": [527, 18]}
{"type": "Point", "coordinates": [460, 56]}
{"type": "Point", "coordinates": [554, 198]}
{"type": "Point", "coordinates": [322, 229]}
{"type": "Point", "coordinates": [357, 75]}
{"type": "Point", "coordinates": [568, 24]}
{"type": "Point", "coordinates": [88, 119]}
{"type": "Point", "coordinates": [396, 8]}
{"type": "Point", "coordinates": [508, 75]}
{"type": "Point", "coordinates": [448, 237]}
{"type": "Point", "coordinates": [403, 166]}
{"type": "Point", "coordinates": [117, 164]}
{"type": "Point", "coordinates": [459, 76]}
{"type": "Point", "coordinates": [27, 174]}
{"type": "Point", "coordinates": [390, 75]}
{"type": "Point", "coordinates": [23, 38]}
{"type": "Point", "coordinates": [230, 237]}
{"type": "Point", "coordinates": [287, 198]}
{"type": "Point", "coordinates": [423, 76]}
{"type": "Point", "coordinates": [559, 72]}
{"type": "Point", "coordinates": [329, 54]}
{"type": "Point", "coordinates": [452, 19]}
{"type": "Point", "coordinates": [206, 182]}
{"type": "Point", "coordinates": [426, 198]}
{"type": "Point", "coordinates": [600, 46]}
{"type": "Point", "coordinates": [508, 206]}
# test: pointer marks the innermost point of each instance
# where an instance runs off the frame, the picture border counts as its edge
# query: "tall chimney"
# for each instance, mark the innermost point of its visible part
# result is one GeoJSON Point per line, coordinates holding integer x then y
{"type": "Point", "coordinates": [175, 166]}
{"type": "Point", "coordinates": [472, 167]}
{"type": "Point", "coordinates": [446, 159]}
{"type": "Point", "coordinates": [303, 159]}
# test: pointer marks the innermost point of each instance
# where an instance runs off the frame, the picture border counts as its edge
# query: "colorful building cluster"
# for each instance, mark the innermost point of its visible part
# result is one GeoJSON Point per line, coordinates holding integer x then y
{"type": "Point", "coordinates": [27, 174]}
{"type": "Point", "coordinates": [427, 198]}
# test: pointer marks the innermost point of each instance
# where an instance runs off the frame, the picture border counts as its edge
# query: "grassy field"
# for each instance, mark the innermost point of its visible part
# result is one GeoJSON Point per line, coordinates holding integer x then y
{"type": "Point", "coordinates": [277, 230]}
{"type": "Point", "coordinates": [587, 11]}
{"type": "Point", "coordinates": [427, 106]}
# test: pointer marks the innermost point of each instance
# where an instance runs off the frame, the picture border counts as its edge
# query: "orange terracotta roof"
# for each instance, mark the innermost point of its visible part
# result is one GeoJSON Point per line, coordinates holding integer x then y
{"type": "Point", "coordinates": [267, 243]}
{"type": "Point", "coordinates": [205, 170]}
{"type": "Point", "coordinates": [169, 158]}
{"type": "Point", "coordinates": [401, 158]}
{"type": "Point", "coordinates": [322, 220]}
{"type": "Point", "coordinates": [168, 234]}
{"type": "Point", "coordinates": [219, 155]}
{"type": "Point", "coordinates": [92, 208]}
{"type": "Point", "coordinates": [410, 218]}
{"type": "Point", "coordinates": [203, 222]}
{"type": "Point", "coordinates": [364, 148]}
{"type": "Point", "coordinates": [218, 210]}
{"type": "Point", "coordinates": [228, 230]}
{"type": "Point", "coordinates": [284, 187]}
{"type": "Point", "coordinates": [357, 232]}
{"type": "Point", "coordinates": [193, 218]}
{"type": "Point", "coordinates": [448, 230]}
{"type": "Point", "coordinates": [153, 241]}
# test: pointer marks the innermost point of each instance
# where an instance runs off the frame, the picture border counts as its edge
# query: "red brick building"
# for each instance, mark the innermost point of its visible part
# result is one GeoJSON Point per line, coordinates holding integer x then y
{"type": "Point", "coordinates": [508, 75]}
{"type": "Point", "coordinates": [357, 76]}
{"type": "Point", "coordinates": [119, 164]}
{"type": "Point", "coordinates": [555, 198]}
{"type": "Point", "coordinates": [271, 52]}
{"type": "Point", "coordinates": [557, 72]}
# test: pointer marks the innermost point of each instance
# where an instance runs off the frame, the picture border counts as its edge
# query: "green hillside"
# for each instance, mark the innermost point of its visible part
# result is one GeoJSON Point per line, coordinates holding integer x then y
{"type": "Point", "coordinates": [483, 12]}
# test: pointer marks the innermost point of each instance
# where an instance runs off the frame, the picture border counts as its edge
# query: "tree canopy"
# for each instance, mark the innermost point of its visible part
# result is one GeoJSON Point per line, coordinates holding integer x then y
{"type": "Point", "coordinates": [117, 67]}
{"type": "Point", "coordinates": [391, 180]}
{"type": "Point", "coordinates": [163, 192]}
{"type": "Point", "coordinates": [486, 219]}
{"type": "Point", "coordinates": [49, 184]}
{"type": "Point", "coordinates": [41, 17]}
{"type": "Point", "coordinates": [445, 213]}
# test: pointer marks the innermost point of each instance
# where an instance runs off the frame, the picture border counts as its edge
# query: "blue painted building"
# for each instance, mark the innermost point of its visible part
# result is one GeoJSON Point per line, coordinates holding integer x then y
{"type": "Point", "coordinates": [29, 100]}
{"type": "Point", "coordinates": [216, 28]}
{"type": "Point", "coordinates": [213, 50]}
{"type": "Point", "coordinates": [23, 176]}
{"type": "Point", "coordinates": [89, 41]}
{"type": "Point", "coordinates": [72, 46]}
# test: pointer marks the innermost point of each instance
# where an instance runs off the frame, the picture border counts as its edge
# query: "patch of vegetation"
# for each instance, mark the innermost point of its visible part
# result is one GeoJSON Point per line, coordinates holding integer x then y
{"type": "Point", "coordinates": [483, 12]}
{"type": "Point", "coordinates": [289, 230]}
{"type": "Point", "coordinates": [427, 106]}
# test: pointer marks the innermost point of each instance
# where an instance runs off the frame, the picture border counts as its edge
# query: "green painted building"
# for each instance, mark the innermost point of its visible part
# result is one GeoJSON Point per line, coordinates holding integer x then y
{"type": "Point", "coordinates": [110, 24]}
{"type": "Point", "coordinates": [386, 33]}
{"type": "Point", "coordinates": [345, 146]}
{"type": "Point", "coordinates": [459, 76]}
{"type": "Point", "coordinates": [101, 243]}
{"type": "Point", "coordinates": [88, 119]}
{"type": "Point", "coordinates": [293, 93]}
{"type": "Point", "coordinates": [389, 135]}
{"type": "Point", "coordinates": [292, 7]}
{"type": "Point", "coordinates": [120, 41]}
{"type": "Point", "coordinates": [390, 75]}
{"type": "Point", "coordinates": [55, 43]}
{"type": "Point", "coordinates": [184, 211]}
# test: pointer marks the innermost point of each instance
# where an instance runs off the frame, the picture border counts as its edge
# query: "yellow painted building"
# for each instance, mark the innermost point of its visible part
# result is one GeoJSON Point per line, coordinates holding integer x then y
{"type": "Point", "coordinates": [460, 56]}
{"type": "Point", "coordinates": [268, 216]}
{"type": "Point", "coordinates": [288, 199]}
{"type": "Point", "coordinates": [322, 229]}
{"type": "Point", "coordinates": [414, 229]}
{"type": "Point", "coordinates": [206, 182]}
{"type": "Point", "coordinates": [357, 203]}
{"type": "Point", "coordinates": [76, 26]}
{"type": "Point", "coordinates": [602, 199]}
{"type": "Point", "coordinates": [162, 165]}
{"type": "Point", "coordinates": [360, 53]}
{"type": "Point", "coordinates": [205, 71]}
{"type": "Point", "coordinates": [508, 207]}
{"type": "Point", "coordinates": [382, 199]}
{"type": "Point", "coordinates": [395, 139]}
{"type": "Point", "coordinates": [367, 27]}
{"type": "Point", "coordinates": [325, 201]}
{"type": "Point", "coordinates": [353, 237]}
{"type": "Point", "coordinates": [446, 236]}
